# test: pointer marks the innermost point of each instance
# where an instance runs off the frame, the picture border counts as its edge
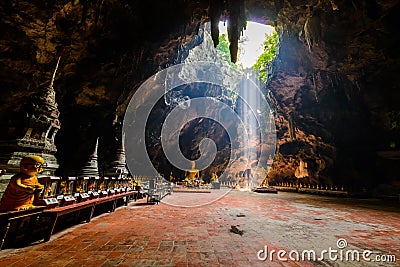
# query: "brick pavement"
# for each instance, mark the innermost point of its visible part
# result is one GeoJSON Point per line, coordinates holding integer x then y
{"type": "Point", "coordinates": [172, 235]}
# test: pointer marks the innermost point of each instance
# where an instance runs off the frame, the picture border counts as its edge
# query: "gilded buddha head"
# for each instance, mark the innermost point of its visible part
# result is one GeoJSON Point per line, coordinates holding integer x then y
{"type": "Point", "coordinates": [31, 165]}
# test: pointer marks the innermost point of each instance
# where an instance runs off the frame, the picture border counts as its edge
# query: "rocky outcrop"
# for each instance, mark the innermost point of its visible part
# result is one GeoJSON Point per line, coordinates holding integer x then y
{"type": "Point", "coordinates": [331, 84]}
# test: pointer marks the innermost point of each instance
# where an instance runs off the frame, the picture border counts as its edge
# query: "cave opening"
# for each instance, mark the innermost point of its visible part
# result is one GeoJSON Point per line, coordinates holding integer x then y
{"type": "Point", "coordinates": [242, 92]}
{"type": "Point", "coordinates": [251, 44]}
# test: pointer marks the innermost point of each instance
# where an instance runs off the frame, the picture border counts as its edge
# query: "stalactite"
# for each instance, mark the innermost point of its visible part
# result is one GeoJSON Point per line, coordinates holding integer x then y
{"type": "Point", "coordinates": [233, 40]}
{"type": "Point", "coordinates": [98, 13]}
{"type": "Point", "coordinates": [331, 81]}
{"type": "Point", "coordinates": [312, 27]}
{"type": "Point", "coordinates": [315, 88]}
{"type": "Point", "coordinates": [214, 13]}
{"type": "Point", "coordinates": [184, 32]}
{"type": "Point", "coordinates": [140, 56]}
{"type": "Point", "coordinates": [292, 132]}
{"type": "Point", "coordinates": [237, 22]}
{"type": "Point", "coordinates": [357, 85]}
{"type": "Point", "coordinates": [307, 34]}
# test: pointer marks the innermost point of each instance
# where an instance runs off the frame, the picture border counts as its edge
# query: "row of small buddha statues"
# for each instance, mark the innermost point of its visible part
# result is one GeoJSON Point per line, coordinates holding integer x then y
{"type": "Point", "coordinates": [25, 190]}
{"type": "Point", "coordinates": [312, 186]}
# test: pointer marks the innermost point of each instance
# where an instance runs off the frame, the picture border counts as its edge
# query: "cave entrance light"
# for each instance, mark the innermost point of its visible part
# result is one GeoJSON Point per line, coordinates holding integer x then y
{"type": "Point", "coordinates": [207, 86]}
{"type": "Point", "coordinates": [252, 49]}
{"type": "Point", "coordinates": [251, 42]}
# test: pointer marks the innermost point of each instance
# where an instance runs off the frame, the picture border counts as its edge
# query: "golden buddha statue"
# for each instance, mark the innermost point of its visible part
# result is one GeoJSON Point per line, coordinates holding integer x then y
{"type": "Point", "coordinates": [214, 177]}
{"type": "Point", "coordinates": [22, 187]}
{"type": "Point", "coordinates": [193, 173]}
{"type": "Point", "coordinates": [63, 187]}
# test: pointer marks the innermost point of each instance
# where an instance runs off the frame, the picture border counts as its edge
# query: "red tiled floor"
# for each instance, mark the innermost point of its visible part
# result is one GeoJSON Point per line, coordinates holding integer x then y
{"type": "Point", "coordinates": [172, 235]}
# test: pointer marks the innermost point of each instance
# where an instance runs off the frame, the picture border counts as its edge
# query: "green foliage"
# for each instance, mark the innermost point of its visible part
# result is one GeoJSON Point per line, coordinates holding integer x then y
{"type": "Point", "coordinates": [223, 48]}
{"type": "Point", "coordinates": [266, 58]}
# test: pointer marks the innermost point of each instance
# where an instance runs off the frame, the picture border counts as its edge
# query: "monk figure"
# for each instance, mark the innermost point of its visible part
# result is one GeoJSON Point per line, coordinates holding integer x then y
{"type": "Point", "coordinates": [23, 186]}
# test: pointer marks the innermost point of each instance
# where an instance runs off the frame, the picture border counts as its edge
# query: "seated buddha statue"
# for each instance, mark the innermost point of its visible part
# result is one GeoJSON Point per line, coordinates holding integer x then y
{"type": "Point", "coordinates": [214, 177]}
{"type": "Point", "coordinates": [22, 187]}
{"type": "Point", "coordinates": [193, 173]}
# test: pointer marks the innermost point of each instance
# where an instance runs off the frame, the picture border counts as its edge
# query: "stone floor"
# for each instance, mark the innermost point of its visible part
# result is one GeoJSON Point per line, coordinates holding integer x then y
{"type": "Point", "coordinates": [224, 228]}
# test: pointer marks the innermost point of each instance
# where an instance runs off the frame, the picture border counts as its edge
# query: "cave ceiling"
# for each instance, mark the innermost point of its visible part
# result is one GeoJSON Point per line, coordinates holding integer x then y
{"type": "Point", "coordinates": [335, 81]}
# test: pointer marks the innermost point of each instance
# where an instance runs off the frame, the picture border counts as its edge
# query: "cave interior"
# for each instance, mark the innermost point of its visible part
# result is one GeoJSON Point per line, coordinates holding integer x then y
{"type": "Point", "coordinates": [334, 84]}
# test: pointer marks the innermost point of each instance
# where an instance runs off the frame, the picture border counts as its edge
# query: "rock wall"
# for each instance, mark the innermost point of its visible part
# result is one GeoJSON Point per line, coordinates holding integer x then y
{"type": "Point", "coordinates": [334, 85]}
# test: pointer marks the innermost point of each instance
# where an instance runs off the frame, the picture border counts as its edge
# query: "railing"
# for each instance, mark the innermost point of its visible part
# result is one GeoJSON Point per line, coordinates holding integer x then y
{"type": "Point", "coordinates": [156, 189]}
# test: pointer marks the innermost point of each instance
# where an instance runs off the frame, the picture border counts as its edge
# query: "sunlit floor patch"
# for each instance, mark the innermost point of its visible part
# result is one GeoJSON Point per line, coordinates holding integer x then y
{"type": "Point", "coordinates": [187, 199]}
